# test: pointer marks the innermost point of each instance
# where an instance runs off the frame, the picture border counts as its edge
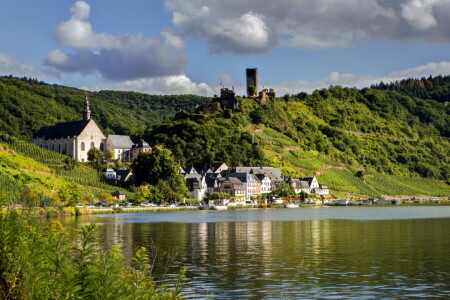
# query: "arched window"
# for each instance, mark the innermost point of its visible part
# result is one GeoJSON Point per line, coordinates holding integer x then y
{"type": "Point", "coordinates": [82, 146]}
{"type": "Point", "coordinates": [92, 145]}
{"type": "Point", "coordinates": [53, 147]}
{"type": "Point", "coordinates": [101, 146]}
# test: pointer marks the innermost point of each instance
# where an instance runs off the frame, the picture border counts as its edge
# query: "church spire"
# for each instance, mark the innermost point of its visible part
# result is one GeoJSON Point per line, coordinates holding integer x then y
{"type": "Point", "coordinates": [87, 111]}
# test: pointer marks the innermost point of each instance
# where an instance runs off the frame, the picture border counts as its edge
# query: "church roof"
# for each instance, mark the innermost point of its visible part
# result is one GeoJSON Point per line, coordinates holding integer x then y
{"type": "Point", "coordinates": [62, 130]}
{"type": "Point", "coordinates": [121, 141]}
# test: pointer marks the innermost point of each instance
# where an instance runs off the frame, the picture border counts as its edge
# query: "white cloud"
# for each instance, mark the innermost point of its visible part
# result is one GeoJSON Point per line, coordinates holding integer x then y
{"type": "Point", "coordinates": [254, 26]}
{"type": "Point", "coordinates": [361, 81]}
{"type": "Point", "coordinates": [433, 69]}
{"type": "Point", "coordinates": [419, 14]}
{"type": "Point", "coordinates": [9, 67]}
{"type": "Point", "coordinates": [173, 85]}
{"type": "Point", "coordinates": [121, 57]}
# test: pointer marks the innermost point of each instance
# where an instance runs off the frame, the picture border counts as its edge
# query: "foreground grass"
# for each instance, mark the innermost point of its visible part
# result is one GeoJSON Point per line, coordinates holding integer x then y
{"type": "Point", "coordinates": [43, 260]}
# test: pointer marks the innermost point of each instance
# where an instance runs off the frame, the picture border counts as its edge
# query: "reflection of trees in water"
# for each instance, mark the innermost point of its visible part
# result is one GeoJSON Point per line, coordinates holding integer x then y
{"type": "Point", "coordinates": [315, 257]}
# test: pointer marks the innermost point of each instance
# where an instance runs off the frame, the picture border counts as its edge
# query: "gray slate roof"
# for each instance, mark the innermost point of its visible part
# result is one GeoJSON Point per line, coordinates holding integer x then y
{"type": "Point", "coordinates": [62, 130]}
{"type": "Point", "coordinates": [121, 141]}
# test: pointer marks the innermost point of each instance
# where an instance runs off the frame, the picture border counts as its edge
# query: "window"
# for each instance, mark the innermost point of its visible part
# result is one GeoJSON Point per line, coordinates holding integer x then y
{"type": "Point", "coordinates": [82, 146]}
{"type": "Point", "coordinates": [92, 145]}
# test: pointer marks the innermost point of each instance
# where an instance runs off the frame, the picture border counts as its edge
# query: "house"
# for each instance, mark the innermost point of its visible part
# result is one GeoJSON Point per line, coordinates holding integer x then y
{"type": "Point", "coordinates": [73, 138]}
{"type": "Point", "coordinates": [138, 148]}
{"type": "Point", "coordinates": [119, 195]}
{"type": "Point", "coordinates": [109, 173]}
{"type": "Point", "coordinates": [121, 145]}
{"type": "Point", "coordinates": [251, 184]}
{"type": "Point", "coordinates": [235, 188]}
{"type": "Point", "coordinates": [266, 183]}
{"type": "Point", "coordinates": [308, 185]}
{"type": "Point", "coordinates": [124, 176]}
{"type": "Point", "coordinates": [273, 173]}
{"type": "Point", "coordinates": [196, 183]}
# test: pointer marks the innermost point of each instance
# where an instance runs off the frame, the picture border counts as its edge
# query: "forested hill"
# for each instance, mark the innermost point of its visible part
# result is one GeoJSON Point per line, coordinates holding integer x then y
{"type": "Point", "coordinates": [27, 104]}
{"type": "Point", "coordinates": [372, 141]}
{"type": "Point", "coordinates": [436, 88]}
{"type": "Point", "coordinates": [368, 141]}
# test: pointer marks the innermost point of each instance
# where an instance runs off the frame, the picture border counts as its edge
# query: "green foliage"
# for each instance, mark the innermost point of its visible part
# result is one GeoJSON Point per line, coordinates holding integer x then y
{"type": "Point", "coordinates": [25, 107]}
{"type": "Point", "coordinates": [158, 168]}
{"type": "Point", "coordinates": [94, 155]}
{"type": "Point", "coordinates": [53, 177]}
{"type": "Point", "coordinates": [42, 260]}
{"type": "Point", "coordinates": [283, 190]}
{"type": "Point", "coordinates": [200, 141]}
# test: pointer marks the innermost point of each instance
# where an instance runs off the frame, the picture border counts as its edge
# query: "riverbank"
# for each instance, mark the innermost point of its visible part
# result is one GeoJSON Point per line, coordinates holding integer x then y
{"type": "Point", "coordinates": [51, 212]}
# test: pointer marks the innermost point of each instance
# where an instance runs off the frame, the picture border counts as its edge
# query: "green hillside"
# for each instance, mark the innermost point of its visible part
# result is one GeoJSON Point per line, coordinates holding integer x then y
{"type": "Point", "coordinates": [367, 142]}
{"type": "Point", "coordinates": [376, 141]}
{"type": "Point", "coordinates": [26, 105]}
{"type": "Point", "coordinates": [35, 175]}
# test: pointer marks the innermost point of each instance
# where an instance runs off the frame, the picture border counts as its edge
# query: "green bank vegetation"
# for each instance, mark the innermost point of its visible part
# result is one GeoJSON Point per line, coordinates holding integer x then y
{"type": "Point", "coordinates": [43, 260]}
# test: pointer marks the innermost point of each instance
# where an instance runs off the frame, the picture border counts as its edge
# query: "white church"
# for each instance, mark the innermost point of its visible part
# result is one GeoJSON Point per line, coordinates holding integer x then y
{"type": "Point", "coordinates": [75, 138]}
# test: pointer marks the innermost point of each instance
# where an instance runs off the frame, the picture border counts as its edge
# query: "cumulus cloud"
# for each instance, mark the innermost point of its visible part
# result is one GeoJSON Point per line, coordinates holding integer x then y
{"type": "Point", "coordinates": [174, 85]}
{"type": "Point", "coordinates": [361, 81]}
{"type": "Point", "coordinates": [254, 26]}
{"type": "Point", "coordinates": [9, 67]}
{"type": "Point", "coordinates": [115, 57]}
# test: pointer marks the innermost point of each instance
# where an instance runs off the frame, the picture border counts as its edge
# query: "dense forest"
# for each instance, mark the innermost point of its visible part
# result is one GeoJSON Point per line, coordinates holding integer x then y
{"type": "Point", "coordinates": [28, 104]}
{"type": "Point", "coordinates": [436, 88]}
{"type": "Point", "coordinates": [373, 141]}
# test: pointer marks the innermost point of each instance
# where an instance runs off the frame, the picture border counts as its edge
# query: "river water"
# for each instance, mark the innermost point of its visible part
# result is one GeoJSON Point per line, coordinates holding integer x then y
{"type": "Point", "coordinates": [302, 253]}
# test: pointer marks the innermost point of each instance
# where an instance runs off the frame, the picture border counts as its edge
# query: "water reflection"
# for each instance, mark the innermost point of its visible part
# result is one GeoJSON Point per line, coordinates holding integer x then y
{"type": "Point", "coordinates": [273, 259]}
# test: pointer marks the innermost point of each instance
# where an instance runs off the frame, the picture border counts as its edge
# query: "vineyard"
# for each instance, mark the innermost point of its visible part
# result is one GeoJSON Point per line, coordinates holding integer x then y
{"type": "Point", "coordinates": [25, 166]}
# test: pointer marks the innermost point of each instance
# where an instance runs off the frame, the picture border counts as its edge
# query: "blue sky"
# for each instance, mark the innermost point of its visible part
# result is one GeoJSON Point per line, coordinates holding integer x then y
{"type": "Point", "coordinates": [179, 46]}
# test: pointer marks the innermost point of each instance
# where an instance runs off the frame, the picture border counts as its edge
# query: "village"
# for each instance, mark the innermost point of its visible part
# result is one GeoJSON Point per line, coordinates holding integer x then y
{"type": "Point", "coordinates": [250, 185]}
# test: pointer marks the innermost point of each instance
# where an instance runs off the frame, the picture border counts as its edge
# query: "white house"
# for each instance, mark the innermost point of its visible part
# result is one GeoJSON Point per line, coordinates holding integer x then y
{"type": "Point", "coordinates": [121, 145]}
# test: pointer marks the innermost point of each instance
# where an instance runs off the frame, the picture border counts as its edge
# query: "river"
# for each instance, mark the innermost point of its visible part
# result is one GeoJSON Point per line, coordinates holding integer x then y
{"type": "Point", "coordinates": [303, 253]}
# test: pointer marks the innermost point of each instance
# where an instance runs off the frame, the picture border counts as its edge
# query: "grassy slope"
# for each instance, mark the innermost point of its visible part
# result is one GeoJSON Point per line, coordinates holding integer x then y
{"type": "Point", "coordinates": [24, 166]}
{"type": "Point", "coordinates": [289, 154]}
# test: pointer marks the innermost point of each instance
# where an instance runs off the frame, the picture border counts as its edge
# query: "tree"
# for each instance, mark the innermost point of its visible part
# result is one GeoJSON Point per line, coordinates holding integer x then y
{"type": "Point", "coordinates": [109, 154]}
{"type": "Point", "coordinates": [141, 193]}
{"type": "Point", "coordinates": [252, 90]}
{"type": "Point", "coordinates": [94, 155]}
{"type": "Point", "coordinates": [283, 190]}
{"type": "Point", "coordinates": [159, 168]}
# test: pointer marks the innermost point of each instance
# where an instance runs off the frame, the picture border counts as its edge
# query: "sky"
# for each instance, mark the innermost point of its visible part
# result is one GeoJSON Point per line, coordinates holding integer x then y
{"type": "Point", "coordinates": [194, 46]}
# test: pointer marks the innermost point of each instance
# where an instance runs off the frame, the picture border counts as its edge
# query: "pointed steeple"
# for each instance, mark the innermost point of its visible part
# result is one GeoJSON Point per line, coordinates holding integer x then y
{"type": "Point", "coordinates": [87, 111]}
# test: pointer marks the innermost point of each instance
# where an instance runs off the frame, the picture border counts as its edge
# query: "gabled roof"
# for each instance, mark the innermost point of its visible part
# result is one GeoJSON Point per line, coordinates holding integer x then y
{"type": "Point", "coordinates": [118, 193]}
{"type": "Point", "coordinates": [243, 176]}
{"type": "Point", "coordinates": [190, 170]}
{"type": "Point", "coordinates": [141, 144]}
{"type": "Point", "coordinates": [123, 174]}
{"type": "Point", "coordinates": [121, 141]}
{"type": "Point", "coordinates": [307, 179]}
{"type": "Point", "coordinates": [62, 130]}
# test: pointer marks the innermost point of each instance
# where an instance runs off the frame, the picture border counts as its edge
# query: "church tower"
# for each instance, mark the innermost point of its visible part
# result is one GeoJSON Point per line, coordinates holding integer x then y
{"type": "Point", "coordinates": [87, 111]}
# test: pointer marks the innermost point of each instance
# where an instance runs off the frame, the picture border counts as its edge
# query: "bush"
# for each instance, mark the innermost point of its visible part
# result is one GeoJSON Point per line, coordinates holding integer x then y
{"type": "Point", "coordinates": [43, 260]}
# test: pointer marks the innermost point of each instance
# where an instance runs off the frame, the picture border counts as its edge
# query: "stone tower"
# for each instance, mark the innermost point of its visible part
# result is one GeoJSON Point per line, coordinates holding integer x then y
{"type": "Point", "coordinates": [252, 81]}
{"type": "Point", "coordinates": [87, 110]}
